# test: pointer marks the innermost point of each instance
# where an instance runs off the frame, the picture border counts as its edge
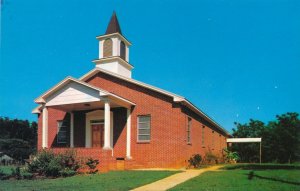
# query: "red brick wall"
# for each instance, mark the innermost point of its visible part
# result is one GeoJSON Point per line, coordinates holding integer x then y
{"type": "Point", "coordinates": [168, 146]}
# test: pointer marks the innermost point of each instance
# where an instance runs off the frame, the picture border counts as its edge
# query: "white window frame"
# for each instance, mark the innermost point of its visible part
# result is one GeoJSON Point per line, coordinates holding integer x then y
{"type": "Point", "coordinates": [59, 126]}
{"type": "Point", "coordinates": [138, 122]}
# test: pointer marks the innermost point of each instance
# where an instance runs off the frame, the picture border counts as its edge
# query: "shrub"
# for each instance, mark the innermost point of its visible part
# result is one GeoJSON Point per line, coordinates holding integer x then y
{"type": "Point", "coordinates": [40, 162]}
{"type": "Point", "coordinates": [1, 172]}
{"type": "Point", "coordinates": [195, 160]}
{"type": "Point", "coordinates": [231, 157]}
{"type": "Point", "coordinates": [27, 175]}
{"type": "Point", "coordinates": [69, 160]}
{"type": "Point", "coordinates": [211, 158]}
{"type": "Point", "coordinates": [67, 172]}
{"type": "Point", "coordinates": [54, 167]}
{"type": "Point", "coordinates": [47, 163]}
{"type": "Point", "coordinates": [4, 176]}
{"type": "Point", "coordinates": [92, 164]}
{"type": "Point", "coordinates": [15, 172]}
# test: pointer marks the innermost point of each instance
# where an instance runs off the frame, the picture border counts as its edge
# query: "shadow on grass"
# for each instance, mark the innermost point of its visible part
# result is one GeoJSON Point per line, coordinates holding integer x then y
{"type": "Point", "coordinates": [263, 167]}
{"type": "Point", "coordinates": [251, 175]}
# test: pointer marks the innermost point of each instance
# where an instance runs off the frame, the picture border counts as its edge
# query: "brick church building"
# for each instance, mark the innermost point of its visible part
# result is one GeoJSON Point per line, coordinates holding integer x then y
{"type": "Point", "coordinates": [124, 123]}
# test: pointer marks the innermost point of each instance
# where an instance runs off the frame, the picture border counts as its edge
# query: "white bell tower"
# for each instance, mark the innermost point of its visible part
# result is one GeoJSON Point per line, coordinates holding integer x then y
{"type": "Point", "coordinates": [114, 50]}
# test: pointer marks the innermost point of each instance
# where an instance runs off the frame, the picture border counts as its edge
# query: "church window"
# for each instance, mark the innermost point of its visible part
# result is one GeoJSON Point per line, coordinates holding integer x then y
{"type": "Point", "coordinates": [107, 48]}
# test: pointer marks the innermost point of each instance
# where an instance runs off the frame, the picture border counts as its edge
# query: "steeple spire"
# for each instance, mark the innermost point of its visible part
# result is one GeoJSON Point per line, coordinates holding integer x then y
{"type": "Point", "coordinates": [113, 26]}
{"type": "Point", "coordinates": [114, 50]}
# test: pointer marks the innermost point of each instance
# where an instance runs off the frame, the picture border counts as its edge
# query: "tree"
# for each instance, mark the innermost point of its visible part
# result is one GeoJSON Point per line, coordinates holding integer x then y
{"type": "Point", "coordinates": [280, 139]}
{"type": "Point", "coordinates": [16, 148]}
{"type": "Point", "coordinates": [286, 132]}
{"type": "Point", "coordinates": [18, 138]}
{"type": "Point", "coordinates": [248, 152]}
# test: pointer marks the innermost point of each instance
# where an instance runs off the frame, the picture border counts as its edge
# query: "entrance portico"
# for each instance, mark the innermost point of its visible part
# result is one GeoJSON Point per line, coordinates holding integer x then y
{"type": "Point", "coordinates": [73, 96]}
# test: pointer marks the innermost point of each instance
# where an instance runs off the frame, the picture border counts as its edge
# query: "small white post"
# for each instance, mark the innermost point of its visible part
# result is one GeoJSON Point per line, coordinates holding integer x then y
{"type": "Point", "coordinates": [107, 125]}
{"type": "Point", "coordinates": [116, 47]}
{"type": "Point", "coordinates": [127, 53]}
{"type": "Point", "coordinates": [128, 134]}
{"type": "Point", "coordinates": [45, 128]}
{"type": "Point", "coordinates": [72, 130]}
{"type": "Point", "coordinates": [101, 49]}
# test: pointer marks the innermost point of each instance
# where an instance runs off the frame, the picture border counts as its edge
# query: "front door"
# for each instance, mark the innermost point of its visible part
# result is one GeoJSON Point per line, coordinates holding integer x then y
{"type": "Point", "coordinates": [97, 135]}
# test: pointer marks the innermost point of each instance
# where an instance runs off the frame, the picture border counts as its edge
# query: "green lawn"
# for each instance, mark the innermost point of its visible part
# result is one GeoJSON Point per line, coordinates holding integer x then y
{"type": "Point", "coordinates": [240, 179]}
{"type": "Point", "coordinates": [112, 181]}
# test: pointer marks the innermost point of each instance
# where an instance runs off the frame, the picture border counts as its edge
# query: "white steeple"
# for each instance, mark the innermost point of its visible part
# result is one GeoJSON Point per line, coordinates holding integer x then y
{"type": "Point", "coordinates": [114, 50]}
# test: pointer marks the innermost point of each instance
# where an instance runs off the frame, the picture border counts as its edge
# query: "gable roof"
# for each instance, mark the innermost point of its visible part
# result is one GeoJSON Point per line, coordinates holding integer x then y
{"type": "Point", "coordinates": [42, 99]}
{"type": "Point", "coordinates": [176, 98]}
{"type": "Point", "coordinates": [96, 70]}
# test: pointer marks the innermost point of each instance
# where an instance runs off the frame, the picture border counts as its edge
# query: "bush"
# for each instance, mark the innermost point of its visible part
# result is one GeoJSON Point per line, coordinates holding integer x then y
{"type": "Point", "coordinates": [69, 160]}
{"type": "Point", "coordinates": [92, 164]}
{"type": "Point", "coordinates": [4, 176]}
{"type": "Point", "coordinates": [47, 163]}
{"type": "Point", "coordinates": [27, 175]}
{"type": "Point", "coordinates": [40, 162]}
{"type": "Point", "coordinates": [211, 158]}
{"type": "Point", "coordinates": [54, 167]}
{"type": "Point", "coordinates": [15, 172]}
{"type": "Point", "coordinates": [195, 161]}
{"type": "Point", "coordinates": [67, 172]}
{"type": "Point", "coordinates": [231, 157]}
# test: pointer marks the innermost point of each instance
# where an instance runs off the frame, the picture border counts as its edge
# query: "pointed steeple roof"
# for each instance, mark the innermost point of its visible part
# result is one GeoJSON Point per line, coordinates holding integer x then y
{"type": "Point", "coordinates": [113, 26]}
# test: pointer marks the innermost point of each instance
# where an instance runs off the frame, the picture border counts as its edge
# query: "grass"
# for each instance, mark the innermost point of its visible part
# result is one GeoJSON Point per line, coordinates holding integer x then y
{"type": "Point", "coordinates": [111, 181]}
{"type": "Point", "coordinates": [237, 178]}
{"type": "Point", "coordinates": [265, 166]}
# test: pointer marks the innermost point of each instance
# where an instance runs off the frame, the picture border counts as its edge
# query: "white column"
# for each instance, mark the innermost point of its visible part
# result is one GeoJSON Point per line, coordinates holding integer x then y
{"type": "Point", "coordinates": [71, 129]}
{"type": "Point", "coordinates": [101, 49]}
{"type": "Point", "coordinates": [128, 134]}
{"type": "Point", "coordinates": [116, 47]}
{"type": "Point", "coordinates": [45, 128]}
{"type": "Point", "coordinates": [107, 125]}
{"type": "Point", "coordinates": [127, 53]}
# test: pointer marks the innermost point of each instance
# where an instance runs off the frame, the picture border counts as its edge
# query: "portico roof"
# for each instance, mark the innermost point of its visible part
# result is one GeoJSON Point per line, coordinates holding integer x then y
{"type": "Point", "coordinates": [71, 91]}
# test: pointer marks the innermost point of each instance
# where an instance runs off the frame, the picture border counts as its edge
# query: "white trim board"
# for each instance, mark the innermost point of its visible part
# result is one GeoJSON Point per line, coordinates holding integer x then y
{"type": "Point", "coordinates": [244, 140]}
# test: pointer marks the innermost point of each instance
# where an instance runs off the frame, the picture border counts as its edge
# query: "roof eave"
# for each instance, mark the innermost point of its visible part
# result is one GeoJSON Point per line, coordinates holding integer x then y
{"type": "Point", "coordinates": [176, 98]}
{"type": "Point", "coordinates": [114, 58]}
{"type": "Point", "coordinates": [37, 110]}
{"type": "Point", "coordinates": [101, 37]}
{"type": "Point", "coordinates": [197, 110]}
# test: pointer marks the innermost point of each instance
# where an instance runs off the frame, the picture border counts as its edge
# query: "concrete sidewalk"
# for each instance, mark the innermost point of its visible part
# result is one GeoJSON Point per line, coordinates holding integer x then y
{"type": "Point", "coordinates": [171, 181]}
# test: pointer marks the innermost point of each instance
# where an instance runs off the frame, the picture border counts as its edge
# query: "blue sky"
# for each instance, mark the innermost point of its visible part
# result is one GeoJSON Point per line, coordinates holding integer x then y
{"type": "Point", "coordinates": [235, 60]}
